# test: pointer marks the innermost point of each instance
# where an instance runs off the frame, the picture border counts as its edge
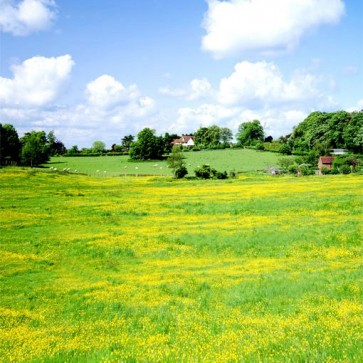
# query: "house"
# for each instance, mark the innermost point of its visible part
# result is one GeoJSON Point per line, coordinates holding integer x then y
{"type": "Point", "coordinates": [325, 162]}
{"type": "Point", "coordinates": [185, 140]}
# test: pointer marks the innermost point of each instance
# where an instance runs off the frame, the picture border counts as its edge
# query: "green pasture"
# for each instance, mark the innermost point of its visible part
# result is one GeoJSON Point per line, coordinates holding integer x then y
{"type": "Point", "coordinates": [240, 160]}
{"type": "Point", "coordinates": [123, 269]}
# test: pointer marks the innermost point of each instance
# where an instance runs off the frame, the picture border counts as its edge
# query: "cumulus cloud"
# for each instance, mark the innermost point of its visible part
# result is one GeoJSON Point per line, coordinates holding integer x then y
{"type": "Point", "coordinates": [27, 16]}
{"type": "Point", "coordinates": [109, 109]}
{"type": "Point", "coordinates": [261, 83]}
{"type": "Point", "coordinates": [36, 82]}
{"type": "Point", "coordinates": [237, 26]}
{"type": "Point", "coordinates": [198, 88]}
{"type": "Point", "coordinates": [259, 90]}
{"type": "Point", "coordinates": [106, 92]}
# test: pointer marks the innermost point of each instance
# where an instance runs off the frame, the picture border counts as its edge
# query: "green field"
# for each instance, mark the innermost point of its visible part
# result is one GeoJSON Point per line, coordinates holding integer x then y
{"type": "Point", "coordinates": [122, 269]}
{"type": "Point", "coordinates": [240, 160]}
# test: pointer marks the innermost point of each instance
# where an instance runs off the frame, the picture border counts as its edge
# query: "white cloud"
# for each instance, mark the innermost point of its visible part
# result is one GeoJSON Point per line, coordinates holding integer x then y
{"type": "Point", "coordinates": [109, 110]}
{"type": "Point", "coordinates": [27, 16]}
{"type": "Point", "coordinates": [259, 91]}
{"type": "Point", "coordinates": [106, 92]}
{"type": "Point", "coordinates": [237, 26]}
{"type": "Point", "coordinates": [36, 82]}
{"type": "Point", "coordinates": [198, 88]}
{"type": "Point", "coordinates": [260, 84]}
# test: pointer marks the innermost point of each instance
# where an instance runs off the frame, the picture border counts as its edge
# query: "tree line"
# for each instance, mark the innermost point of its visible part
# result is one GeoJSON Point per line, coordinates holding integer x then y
{"type": "Point", "coordinates": [317, 134]}
{"type": "Point", "coordinates": [34, 148]}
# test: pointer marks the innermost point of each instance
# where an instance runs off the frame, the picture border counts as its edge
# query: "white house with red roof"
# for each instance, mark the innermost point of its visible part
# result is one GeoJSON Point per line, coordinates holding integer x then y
{"type": "Point", "coordinates": [185, 140]}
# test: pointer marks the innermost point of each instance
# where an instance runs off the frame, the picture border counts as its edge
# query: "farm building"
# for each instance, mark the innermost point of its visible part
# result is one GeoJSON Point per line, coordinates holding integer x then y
{"type": "Point", "coordinates": [338, 152]}
{"type": "Point", "coordinates": [185, 140]}
{"type": "Point", "coordinates": [325, 162]}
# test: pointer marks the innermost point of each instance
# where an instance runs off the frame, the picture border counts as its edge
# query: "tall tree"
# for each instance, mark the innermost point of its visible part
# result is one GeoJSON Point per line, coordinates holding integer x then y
{"type": "Point", "coordinates": [127, 141]}
{"type": "Point", "coordinates": [353, 133]}
{"type": "Point", "coordinates": [226, 135]}
{"type": "Point", "coordinates": [249, 133]}
{"type": "Point", "coordinates": [35, 148]}
{"type": "Point", "coordinates": [9, 144]}
{"type": "Point", "coordinates": [56, 147]}
{"type": "Point", "coordinates": [147, 146]}
{"type": "Point", "coordinates": [98, 146]}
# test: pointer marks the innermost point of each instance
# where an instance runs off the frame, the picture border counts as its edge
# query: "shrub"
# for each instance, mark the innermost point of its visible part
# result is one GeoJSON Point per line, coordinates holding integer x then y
{"type": "Point", "coordinates": [181, 172]}
{"type": "Point", "coordinates": [285, 149]}
{"type": "Point", "coordinates": [205, 172]}
{"type": "Point", "coordinates": [293, 168]}
{"type": "Point", "coordinates": [345, 169]}
{"type": "Point", "coordinates": [334, 171]}
{"type": "Point", "coordinates": [305, 170]}
{"type": "Point", "coordinates": [325, 171]}
{"type": "Point", "coordinates": [233, 174]}
{"type": "Point", "coordinates": [221, 175]}
{"type": "Point", "coordinates": [260, 146]}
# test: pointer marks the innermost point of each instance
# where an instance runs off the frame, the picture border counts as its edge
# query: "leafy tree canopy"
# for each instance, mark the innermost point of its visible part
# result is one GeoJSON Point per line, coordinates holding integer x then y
{"type": "Point", "coordinates": [147, 146]}
{"type": "Point", "coordinates": [35, 148]}
{"type": "Point", "coordinates": [322, 131]}
{"type": "Point", "coordinates": [9, 143]}
{"type": "Point", "coordinates": [250, 133]}
{"type": "Point", "coordinates": [213, 136]}
{"type": "Point", "coordinates": [98, 146]}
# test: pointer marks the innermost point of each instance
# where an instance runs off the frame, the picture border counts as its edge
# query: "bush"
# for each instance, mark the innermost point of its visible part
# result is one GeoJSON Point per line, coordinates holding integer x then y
{"type": "Point", "coordinates": [334, 171]}
{"type": "Point", "coordinates": [181, 172]}
{"type": "Point", "coordinates": [285, 149]}
{"type": "Point", "coordinates": [293, 168]}
{"type": "Point", "coordinates": [305, 170]}
{"type": "Point", "coordinates": [325, 171]}
{"type": "Point", "coordinates": [345, 169]}
{"type": "Point", "coordinates": [260, 146]}
{"type": "Point", "coordinates": [205, 172]}
{"type": "Point", "coordinates": [233, 174]}
{"type": "Point", "coordinates": [221, 175]}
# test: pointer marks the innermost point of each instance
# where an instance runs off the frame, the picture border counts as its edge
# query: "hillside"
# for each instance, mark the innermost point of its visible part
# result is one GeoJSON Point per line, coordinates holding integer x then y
{"type": "Point", "coordinates": [241, 160]}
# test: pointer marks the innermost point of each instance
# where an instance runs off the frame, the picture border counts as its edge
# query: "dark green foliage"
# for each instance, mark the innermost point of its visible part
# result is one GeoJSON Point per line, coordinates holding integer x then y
{"type": "Point", "coordinates": [127, 141]}
{"type": "Point", "coordinates": [207, 172]}
{"type": "Point", "coordinates": [35, 148]}
{"type": "Point", "coordinates": [181, 172]}
{"type": "Point", "coordinates": [9, 144]}
{"type": "Point", "coordinates": [148, 146]}
{"type": "Point", "coordinates": [249, 133]}
{"type": "Point", "coordinates": [221, 175]}
{"type": "Point", "coordinates": [346, 164]}
{"type": "Point", "coordinates": [56, 147]}
{"type": "Point", "coordinates": [168, 139]}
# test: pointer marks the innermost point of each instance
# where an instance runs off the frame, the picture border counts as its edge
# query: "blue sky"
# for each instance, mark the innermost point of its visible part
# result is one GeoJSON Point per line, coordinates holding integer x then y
{"type": "Point", "coordinates": [100, 70]}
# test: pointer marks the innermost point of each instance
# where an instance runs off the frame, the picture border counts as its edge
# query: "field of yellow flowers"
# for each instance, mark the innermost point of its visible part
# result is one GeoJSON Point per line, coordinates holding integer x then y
{"type": "Point", "coordinates": [257, 269]}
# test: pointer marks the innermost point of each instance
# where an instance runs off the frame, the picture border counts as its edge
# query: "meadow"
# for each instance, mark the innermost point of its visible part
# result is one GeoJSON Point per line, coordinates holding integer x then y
{"type": "Point", "coordinates": [240, 160]}
{"type": "Point", "coordinates": [254, 269]}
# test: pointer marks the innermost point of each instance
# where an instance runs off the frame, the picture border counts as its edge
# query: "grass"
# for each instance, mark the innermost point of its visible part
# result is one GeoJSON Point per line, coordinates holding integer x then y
{"type": "Point", "coordinates": [153, 269]}
{"type": "Point", "coordinates": [241, 160]}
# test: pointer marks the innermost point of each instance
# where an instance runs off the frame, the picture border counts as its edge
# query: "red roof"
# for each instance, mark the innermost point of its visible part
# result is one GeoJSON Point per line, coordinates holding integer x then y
{"type": "Point", "coordinates": [326, 159]}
